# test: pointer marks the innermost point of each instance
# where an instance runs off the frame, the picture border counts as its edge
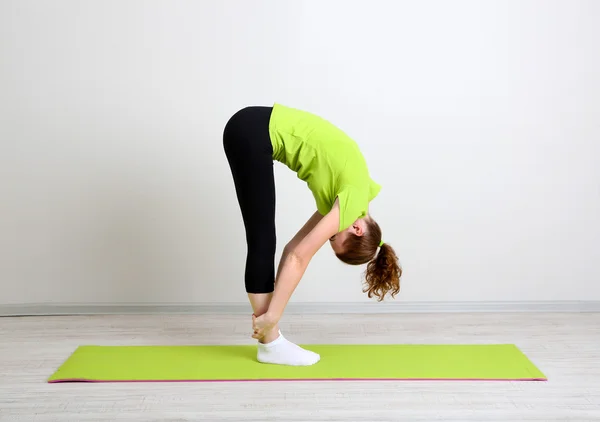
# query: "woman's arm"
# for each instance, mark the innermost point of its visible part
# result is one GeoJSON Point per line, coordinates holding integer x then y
{"type": "Point", "coordinates": [292, 244]}
{"type": "Point", "coordinates": [294, 265]}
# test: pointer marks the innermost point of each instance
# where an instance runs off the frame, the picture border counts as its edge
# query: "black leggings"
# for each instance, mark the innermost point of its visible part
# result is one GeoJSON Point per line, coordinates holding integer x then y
{"type": "Point", "coordinates": [249, 151]}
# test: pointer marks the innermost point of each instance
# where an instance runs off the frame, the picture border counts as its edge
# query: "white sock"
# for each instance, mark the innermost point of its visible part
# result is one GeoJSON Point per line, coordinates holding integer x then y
{"type": "Point", "coordinates": [281, 351]}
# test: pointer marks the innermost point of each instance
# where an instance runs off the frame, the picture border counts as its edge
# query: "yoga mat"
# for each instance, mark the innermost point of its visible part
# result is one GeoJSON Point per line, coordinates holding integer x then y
{"type": "Point", "coordinates": [501, 362]}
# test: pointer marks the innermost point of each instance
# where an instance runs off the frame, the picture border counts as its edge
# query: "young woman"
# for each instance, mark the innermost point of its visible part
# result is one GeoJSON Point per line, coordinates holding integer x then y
{"type": "Point", "coordinates": [336, 173]}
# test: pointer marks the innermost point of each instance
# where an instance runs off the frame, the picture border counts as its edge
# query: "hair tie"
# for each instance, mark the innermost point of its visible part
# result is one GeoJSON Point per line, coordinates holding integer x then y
{"type": "Point", "coordinates": [381, 243]}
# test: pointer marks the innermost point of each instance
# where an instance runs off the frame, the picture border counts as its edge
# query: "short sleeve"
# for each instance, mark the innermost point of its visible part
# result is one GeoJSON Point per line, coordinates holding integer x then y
{"type": "Point", "coordinates": [374, 189]}
{"type": "Point", "coordinates": [354, 204]}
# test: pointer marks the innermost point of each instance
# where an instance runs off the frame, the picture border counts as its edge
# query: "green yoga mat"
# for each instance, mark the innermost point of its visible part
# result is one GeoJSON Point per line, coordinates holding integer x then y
{"type": "Point", "coordinates": [338, 362]}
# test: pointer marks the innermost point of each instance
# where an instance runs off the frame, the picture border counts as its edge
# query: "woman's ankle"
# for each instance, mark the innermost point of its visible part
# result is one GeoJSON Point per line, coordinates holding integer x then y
{"type": "Point", "coordinates": [270, 336]}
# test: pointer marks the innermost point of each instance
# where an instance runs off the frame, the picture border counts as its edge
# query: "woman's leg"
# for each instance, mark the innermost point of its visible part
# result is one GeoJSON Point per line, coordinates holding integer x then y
{"type": "Point", "coordinates": [250, 154]}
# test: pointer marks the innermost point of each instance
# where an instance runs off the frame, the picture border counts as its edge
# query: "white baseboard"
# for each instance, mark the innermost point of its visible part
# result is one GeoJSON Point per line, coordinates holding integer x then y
{"type": "Point", "coordinates": [41, 309]}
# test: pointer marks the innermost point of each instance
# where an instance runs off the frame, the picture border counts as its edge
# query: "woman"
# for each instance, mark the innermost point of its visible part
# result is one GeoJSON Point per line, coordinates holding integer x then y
{"type": "Point", "coordinates": [336, 173]}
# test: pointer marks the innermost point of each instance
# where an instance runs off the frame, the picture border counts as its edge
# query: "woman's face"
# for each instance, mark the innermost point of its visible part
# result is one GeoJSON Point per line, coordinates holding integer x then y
{"type": "Point", "coordinates": [337, 241]}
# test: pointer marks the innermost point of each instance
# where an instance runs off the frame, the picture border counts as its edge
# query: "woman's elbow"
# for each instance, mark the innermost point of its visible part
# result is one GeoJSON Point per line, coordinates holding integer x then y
{"type": "Point", "coordinates": [296, 259]}
{"type": "Point", "coordinates": [288, 248]}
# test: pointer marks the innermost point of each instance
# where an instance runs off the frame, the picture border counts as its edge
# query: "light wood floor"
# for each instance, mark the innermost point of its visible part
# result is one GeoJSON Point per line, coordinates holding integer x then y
{"type": "Point", "coordinates": [566, 347]}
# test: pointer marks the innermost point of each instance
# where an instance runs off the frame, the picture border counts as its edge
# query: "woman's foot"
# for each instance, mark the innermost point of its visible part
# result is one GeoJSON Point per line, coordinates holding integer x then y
{"type": "Point", "coordinates": [281, 351]}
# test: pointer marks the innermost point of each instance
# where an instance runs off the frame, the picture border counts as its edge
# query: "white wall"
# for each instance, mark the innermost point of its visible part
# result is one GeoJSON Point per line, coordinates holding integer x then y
{"type": "Point", "coordinates": [480, 120]}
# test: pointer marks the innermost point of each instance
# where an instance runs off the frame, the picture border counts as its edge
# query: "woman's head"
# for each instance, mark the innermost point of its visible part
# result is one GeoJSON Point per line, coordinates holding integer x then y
{"type": "Point", "coordinates": [358, 245]}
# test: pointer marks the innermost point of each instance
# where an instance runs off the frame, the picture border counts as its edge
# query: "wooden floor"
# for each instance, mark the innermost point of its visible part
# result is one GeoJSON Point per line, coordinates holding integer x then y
{"type": "Point", "coordinates": [566, 347]}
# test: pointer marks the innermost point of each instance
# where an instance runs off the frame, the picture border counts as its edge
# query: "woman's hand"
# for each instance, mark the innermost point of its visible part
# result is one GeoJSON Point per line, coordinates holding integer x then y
{"type": "Point", "coordinates": [263, 324]}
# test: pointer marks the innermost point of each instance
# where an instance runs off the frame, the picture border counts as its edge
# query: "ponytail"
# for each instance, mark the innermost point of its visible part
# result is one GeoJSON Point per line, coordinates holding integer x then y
{"type": "Point", "coordinates": [383, 274]}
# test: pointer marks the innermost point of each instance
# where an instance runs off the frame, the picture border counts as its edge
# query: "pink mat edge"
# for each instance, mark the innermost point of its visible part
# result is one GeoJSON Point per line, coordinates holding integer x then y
{"type": "Point", "coordinates": [66, 380]}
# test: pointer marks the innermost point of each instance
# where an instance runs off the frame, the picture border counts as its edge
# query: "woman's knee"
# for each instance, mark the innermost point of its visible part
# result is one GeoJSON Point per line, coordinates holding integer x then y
{"type": "Point", "coordinates": [263, 244]}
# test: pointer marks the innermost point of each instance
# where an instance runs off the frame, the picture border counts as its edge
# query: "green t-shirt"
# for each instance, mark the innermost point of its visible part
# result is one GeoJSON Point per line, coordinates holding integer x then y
{"type": "Point", "coordinates": [327, 159]}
